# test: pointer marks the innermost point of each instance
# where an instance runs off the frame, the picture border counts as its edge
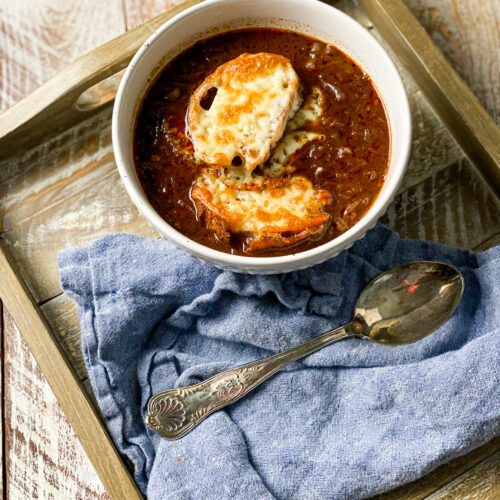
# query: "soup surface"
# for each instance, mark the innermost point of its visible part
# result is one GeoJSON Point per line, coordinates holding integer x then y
{"type": "Point", "coordinates": [339, 140]}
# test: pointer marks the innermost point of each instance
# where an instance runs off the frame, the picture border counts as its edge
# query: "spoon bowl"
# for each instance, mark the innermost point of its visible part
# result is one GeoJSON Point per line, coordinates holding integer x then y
{"type": "Point", "coordinates": [400, 306]}
{"type": "Point", "coordinates": [407, 303]}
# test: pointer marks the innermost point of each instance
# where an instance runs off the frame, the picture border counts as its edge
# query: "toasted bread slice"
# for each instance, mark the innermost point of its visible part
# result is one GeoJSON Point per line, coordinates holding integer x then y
{"type": "Point", "coordinates": [273, 213]}
{"type": "Point", "coordinates": [241, 110]}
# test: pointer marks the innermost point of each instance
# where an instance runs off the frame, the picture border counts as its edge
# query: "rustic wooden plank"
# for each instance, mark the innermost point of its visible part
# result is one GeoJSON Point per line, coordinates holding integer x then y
{"type": "Point", "coordinates": [480, 483]}
{"type": "Point", "coordinates": [54, 107]}
{"type": "Point", "coordinates": [83, 209]}
{"type": "Point", "coordinates": [452, 206]}
{"type": "Point", "coordinates": [44, 458]}
{"type": "Point", "coordinates": [101, 209]}
{"type": "Point", "coordinates": [65, 384]}
{"type": "Point", "coordinates": [441, 476]}
{"type": "Point", "coordinates": [469, 122]}
{"type": "Point", "coordinates": [491, 242]}
{"type": "Point", "coordinates": [2, 402]}
{"type": "Point", "coordinates": [32, 180]}
{"type": "Point", "coordinates": [467, 32]}
{"type": "Point", "coordinates": [61, 313]}
{"type": "Point", "coordinates": [433, 147]}
{"type": "Point", "coordinates": [139, 11]}
{"type": "Point", "coordinates": [473, 62]}
{"type": "Point", "coordinates": [39, 38]}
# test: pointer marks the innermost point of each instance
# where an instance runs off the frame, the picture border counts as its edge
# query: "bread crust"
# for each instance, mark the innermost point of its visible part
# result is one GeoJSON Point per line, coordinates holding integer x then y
{"type": "Point", "coordinates": [298, 211]}
{"type": "Point", "coordinates": [256, 95]}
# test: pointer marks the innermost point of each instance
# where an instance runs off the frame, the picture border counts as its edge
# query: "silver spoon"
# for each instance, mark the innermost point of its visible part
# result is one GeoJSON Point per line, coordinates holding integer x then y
{"type": "Point", "coordinates": [400, 306]}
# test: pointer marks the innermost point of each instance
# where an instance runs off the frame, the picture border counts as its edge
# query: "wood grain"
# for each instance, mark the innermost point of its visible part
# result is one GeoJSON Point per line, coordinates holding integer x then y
{"type": "Point", "coordinates": [452, 206]}
{"type": "Point", "coordinates": [37, 39]}
{"type": "Point", "coordinates": [139, 11]}
{"type": "Point", "coordinates": [76, 208]}
{"type": "Point", "coordinates": [480, 483]}
{"type": "Point", "coordinates": [53, 107]}
{"type": "Point", "coordinates": [443, 475]}
{"type": "Point", "coordinates": [45, 459]}
{"type": "Point", "coordinates": [2, 399]}
{"type": "Point", "coordinates": [40, 37]}
{"type": "Point", "coordinates": [79, 409]}
{"type": "Point", "coordinates": [61, 313]}
{"type": "Point", "coordinates": [468, 34]}
{"type": "Point", "coordinates": [448, 94]}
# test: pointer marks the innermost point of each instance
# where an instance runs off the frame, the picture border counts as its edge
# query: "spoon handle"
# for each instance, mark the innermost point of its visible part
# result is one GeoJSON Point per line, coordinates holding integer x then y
{"type": "Point", "coordinates": [175, 412]}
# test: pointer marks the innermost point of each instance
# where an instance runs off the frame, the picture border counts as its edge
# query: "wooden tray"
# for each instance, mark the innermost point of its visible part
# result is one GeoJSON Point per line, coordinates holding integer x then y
{"type": "Point", "coordinates": [59, 187]}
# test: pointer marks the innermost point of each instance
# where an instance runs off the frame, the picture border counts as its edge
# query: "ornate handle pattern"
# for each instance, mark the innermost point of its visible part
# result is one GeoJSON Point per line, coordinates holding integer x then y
{"type": "Point", "coordinates": [173, 413]}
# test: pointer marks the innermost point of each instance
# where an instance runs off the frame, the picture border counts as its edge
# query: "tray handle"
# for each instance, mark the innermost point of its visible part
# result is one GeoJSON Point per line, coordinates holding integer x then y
{"type": "Point", "coordinates": [63, 100]}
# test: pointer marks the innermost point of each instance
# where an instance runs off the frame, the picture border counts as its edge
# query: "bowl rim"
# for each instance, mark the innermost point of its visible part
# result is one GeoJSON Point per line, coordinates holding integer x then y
{"type": "Point", "coordinates": [223, 259]}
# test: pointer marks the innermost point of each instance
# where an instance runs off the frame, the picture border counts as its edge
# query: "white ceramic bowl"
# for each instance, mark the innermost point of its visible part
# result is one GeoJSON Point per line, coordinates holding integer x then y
{"type": "Point", "coordinates": [311, 17]}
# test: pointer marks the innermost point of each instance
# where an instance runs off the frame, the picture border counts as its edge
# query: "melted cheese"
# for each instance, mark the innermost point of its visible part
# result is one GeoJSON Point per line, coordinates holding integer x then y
{"type": "Point", "coordinates": [290, 144]}
{"type": "Point", "coordinates": [271, 210]}
{"type": "Point", "coordinates": [256, 96]}
{"type": "Point", "coordinates": [310, 111]}
{"type": "Point", "coordinates": [277, 164]}
{"type": "Point", "coordinates": [273, 213]}
{"type": "Point", "coordinates": [292, 141]}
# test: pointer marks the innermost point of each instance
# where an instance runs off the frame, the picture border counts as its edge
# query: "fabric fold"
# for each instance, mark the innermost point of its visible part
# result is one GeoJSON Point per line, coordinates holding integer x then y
{"type": "Point", "coordinates": [349, 421]}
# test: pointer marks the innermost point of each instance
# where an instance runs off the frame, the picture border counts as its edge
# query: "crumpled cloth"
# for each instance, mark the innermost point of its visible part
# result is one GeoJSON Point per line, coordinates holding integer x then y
{"type": "Point", "coordinates": [349, 421]}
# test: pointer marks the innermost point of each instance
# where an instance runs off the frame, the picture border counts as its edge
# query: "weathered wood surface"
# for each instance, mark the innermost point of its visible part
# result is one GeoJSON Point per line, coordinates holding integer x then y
{"type": "Point", "coordinates": [40, 37]}
{"type": "Point", "coordinates": [138, 11]}
{"type": "Point", "coordinates": [80, 410]}
{"type": "Point", "coordinates": [479, 483]}
{"type": "Point", "coordinates": [78, 91]}
{"type": "Point", "coordinates": [2, 399]}
{"type": "Point", "coordinates": [44, 458]}
{"type": "Point", "coordinates": [453, 471]}
{"type": "Point", "coordinates": [468, 34]}
{"type": "Point", "coordinates": [67, 192]}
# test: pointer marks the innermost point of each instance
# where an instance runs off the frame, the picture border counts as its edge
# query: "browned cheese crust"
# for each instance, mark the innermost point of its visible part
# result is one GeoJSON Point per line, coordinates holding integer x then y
{"type": "Point", "coordinates": [249, 101]}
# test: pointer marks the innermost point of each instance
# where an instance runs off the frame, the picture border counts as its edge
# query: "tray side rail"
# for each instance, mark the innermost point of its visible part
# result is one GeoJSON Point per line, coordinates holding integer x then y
{"type": "Point", "coordinates": [468, 121]}
{"type": "Point", "coordinates": [65, 383]}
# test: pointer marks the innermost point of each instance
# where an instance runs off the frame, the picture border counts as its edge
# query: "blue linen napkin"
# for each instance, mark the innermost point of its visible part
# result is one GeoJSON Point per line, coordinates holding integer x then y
{"type": "Point", "coordinates": [349, 421]}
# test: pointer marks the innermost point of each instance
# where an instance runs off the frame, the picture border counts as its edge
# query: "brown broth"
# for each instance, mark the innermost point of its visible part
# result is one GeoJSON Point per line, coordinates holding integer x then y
{"type": "Point", "coordinates": [351, 163]}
